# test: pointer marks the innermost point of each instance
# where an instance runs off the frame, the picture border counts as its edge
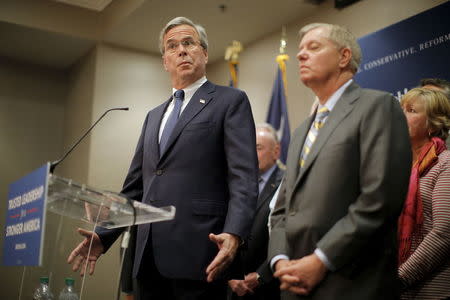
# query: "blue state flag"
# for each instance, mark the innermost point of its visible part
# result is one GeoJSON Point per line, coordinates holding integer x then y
{"type": "Point", "coordinates": [278, 115]}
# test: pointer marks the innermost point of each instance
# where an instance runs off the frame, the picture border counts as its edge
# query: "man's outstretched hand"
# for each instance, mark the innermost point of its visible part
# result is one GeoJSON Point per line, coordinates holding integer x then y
{"type": "Point", "coordinates": [79, 256]}
{"type": "Point", "coordinates": [228, 245]}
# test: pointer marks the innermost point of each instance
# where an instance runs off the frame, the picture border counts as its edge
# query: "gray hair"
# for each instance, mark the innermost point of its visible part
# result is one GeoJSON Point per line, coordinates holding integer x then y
{"type": "Point", "coordinates": [269, 129]}
{"type": "Point", "coordinates": [342, 38]}
{"type": "Point", "coordinates": [183, 21]}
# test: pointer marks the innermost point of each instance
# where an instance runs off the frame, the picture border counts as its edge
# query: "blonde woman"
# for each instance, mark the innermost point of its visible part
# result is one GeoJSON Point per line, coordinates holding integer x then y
{"type": "Point", "coordinates": [424, 225]}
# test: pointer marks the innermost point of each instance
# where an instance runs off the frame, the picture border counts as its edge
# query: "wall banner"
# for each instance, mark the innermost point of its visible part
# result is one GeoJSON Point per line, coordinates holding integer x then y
{"type": "Point", "coordinates": [397, 57]}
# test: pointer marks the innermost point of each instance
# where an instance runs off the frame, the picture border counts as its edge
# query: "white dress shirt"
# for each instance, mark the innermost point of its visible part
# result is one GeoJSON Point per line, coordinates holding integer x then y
{"type": "Point", "coordinates": [188, 93]}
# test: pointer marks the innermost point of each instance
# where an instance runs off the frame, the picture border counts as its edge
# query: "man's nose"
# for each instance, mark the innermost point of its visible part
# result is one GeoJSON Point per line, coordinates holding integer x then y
{"type": "Point", "coordinates": [301, 55]}
{"type": "Point", "coordinates": [181, 50]}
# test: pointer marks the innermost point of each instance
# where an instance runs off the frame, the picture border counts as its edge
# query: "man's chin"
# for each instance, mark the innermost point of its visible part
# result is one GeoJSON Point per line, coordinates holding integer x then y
{"type": "Point", "coordinates": [185, 74]}
{"type": "Point", "coordinates": [305, 80]}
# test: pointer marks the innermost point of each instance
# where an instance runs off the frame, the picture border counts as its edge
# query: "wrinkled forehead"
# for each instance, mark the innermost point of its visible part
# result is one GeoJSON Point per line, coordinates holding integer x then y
{"type": "Point", "coordinates": [317, 33]}
{"type": "Point", "coordinates": [180, 32]}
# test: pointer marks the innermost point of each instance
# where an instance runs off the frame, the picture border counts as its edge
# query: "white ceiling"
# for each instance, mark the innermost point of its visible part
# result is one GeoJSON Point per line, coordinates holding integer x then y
{"type": "Point", "coordinates": [55, 34]}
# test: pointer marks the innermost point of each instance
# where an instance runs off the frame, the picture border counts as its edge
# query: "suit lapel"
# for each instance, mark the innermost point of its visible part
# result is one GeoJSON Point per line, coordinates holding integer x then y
{"type": "Point", "coordinates": [294, 162]}
{"type": "Point", "coordinates": [342, 108]}
{"type": "Point", "coordinates": [268, 189]}
{"type": "Point", "coordinates": [199, 100]}
{"type": "Point", "coordinates": [153, 125]}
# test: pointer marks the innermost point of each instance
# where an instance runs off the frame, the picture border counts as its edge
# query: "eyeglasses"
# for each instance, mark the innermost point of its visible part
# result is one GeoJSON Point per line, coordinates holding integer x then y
{"type": "Point", "coordinates": [187, 44]}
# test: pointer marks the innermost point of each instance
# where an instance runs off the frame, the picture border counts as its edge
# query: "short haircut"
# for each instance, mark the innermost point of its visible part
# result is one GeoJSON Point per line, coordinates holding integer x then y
{"type": "Point", "coordinates": [269, 129]}
{"type": "Point", "coordinates": [342, 38]}
{"type": "Point", "coordinates": [443, 84]}
{"type": "Point", "coordinates": [183, 21]}
{"type": "Point", "coordinates": [437, 110]}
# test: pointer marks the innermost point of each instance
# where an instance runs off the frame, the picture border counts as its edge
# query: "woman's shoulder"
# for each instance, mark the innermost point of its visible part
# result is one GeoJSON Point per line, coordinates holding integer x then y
{"type": "Point", "coordinates": [445, 154]}
{"type": "Point", "coordinates": [444, 159]}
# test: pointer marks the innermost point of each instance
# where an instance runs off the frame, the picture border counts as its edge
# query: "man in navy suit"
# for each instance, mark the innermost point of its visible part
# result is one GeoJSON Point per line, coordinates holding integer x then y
{"type": "Point", "coordinates": [196, 152]}
{"type": "Point", "coordinates": [259, 283]}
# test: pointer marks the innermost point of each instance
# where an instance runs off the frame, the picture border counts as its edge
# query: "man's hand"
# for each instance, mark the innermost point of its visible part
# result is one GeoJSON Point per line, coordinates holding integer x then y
{"type": "Point", "coordinates": [302, 275]}
{"type": "Point", "coordinates": [281, 263]}
{"type": "Point", "coordinates": [79, 255]}
{"type": "Point", "coordinates": [227, 244]}
{"type": "Point", "coordinates": [239, 287]}
{"type": "Point", "coordinates": [251, 280]}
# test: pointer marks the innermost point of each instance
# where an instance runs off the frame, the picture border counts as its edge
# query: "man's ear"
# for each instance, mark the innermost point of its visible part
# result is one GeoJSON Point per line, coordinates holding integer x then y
{"type": "Point", "coordinates": [206, 55]}
{"type": "Point", "coordinates": [346, 56]}
{"type": "Point", "coordinates": [277, 150]}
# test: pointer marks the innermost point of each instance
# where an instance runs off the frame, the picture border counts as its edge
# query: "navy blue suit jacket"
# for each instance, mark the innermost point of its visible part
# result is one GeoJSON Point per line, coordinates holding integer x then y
{"type": "Point", "coordinates": [208, 171]}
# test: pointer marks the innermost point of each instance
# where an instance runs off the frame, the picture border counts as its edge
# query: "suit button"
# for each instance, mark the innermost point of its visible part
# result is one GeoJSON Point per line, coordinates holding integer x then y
{"type": "Point", "coordinates": [159, 172]}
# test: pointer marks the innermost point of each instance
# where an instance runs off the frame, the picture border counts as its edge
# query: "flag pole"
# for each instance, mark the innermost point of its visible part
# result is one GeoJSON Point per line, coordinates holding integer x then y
{"type": "Point", "coordinates": [283, 57]}
{"type": "Point", "coordinates": [277, 115]}
{"type": "Point", "coordinates": [283, 41]}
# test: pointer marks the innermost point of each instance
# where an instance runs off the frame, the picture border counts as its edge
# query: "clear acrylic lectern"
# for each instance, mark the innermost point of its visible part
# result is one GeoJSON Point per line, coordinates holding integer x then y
{"type": "Point", "coordinates": [105, 209]}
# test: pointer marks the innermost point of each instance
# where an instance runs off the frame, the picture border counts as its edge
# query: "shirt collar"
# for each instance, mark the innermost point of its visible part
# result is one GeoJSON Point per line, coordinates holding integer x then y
{"type": "Point", "coordinates": [190, 90]}
{"type": "Point", "coordinates": [331, 102]}
{"type": "Point", "coordinates": [266, 175]}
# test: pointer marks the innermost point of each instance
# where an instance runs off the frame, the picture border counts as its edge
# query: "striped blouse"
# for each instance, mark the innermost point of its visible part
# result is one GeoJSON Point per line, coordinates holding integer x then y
{"type": "Point", "coordinates": [426, 273]}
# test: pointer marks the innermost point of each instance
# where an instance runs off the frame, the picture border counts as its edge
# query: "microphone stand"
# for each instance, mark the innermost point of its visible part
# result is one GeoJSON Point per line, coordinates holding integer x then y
{"type": "Point", "coordinates": [57, 162]}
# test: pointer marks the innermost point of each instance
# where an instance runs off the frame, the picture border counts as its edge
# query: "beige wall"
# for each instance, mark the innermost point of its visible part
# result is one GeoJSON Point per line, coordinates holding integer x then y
{"type": "Point", "coordinates": [32, 101]}
{"type": "Point", "coordinates": [257, 63]}
{"type": "Point", "coordinates": [123, 79]}
{"type": "Point", "coordinates": [78, 118]}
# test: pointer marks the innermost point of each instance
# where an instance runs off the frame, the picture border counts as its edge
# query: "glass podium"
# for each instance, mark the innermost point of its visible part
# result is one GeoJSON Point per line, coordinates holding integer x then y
{"type": "Point", "coordinates": [70, 205]}
{"type": "Point", "coordinates": [105, 209]}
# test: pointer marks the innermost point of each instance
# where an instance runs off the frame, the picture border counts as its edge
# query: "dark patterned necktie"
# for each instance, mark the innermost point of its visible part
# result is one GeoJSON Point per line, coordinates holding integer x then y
{"type": "Point", "coordinates": [172, 120]}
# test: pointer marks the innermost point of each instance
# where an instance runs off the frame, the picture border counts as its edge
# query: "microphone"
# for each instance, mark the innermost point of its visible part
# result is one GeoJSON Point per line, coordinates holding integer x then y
{"type": "Point", "coordinates": [57, 162]}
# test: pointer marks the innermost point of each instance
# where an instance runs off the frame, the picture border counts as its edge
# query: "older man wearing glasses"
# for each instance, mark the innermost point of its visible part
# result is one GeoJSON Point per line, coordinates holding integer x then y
{"type": "Point", "coordinates": [196, 152]}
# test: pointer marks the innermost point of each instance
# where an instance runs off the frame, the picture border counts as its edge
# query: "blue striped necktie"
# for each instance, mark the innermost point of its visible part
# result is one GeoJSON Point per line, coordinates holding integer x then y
{"type": "Point", "coordinates": [172, 120]}
{"type": "Point", "coordinates": [320, 119]}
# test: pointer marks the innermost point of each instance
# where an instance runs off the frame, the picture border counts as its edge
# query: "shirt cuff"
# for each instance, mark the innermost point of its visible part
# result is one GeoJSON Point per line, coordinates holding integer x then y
{"type": "Point", "coordinates": [324, 259]}
{"type": "Point", "coordinates": [277, 258]}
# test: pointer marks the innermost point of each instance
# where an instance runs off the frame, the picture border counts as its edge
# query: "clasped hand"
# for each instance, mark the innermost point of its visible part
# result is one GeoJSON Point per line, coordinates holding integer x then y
{"type": "Point", "coordinates": [243, 287]}
{"type": "Point", "coordinates": [300, 276]}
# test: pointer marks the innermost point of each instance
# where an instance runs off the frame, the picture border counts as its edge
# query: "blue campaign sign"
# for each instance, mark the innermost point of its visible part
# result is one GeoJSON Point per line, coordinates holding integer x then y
{"type": "Point", "coordinates": [25, 219]}
{"type": "Point", "coordinates": [397, 57]}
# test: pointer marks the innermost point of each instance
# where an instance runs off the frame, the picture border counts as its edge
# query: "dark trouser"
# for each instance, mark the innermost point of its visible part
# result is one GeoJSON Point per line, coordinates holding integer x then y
{"type": "Point", "coordinates": [180, 289]}
{"type": "Point", "coordinates": [151, 285]}
{"type": "Point", "coordinates": [269, 291]}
